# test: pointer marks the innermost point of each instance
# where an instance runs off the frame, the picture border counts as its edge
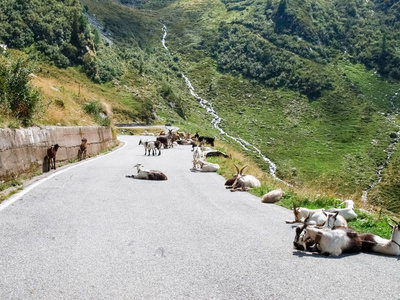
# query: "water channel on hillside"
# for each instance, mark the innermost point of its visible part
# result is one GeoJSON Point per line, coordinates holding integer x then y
{"type": "Point", "coordinates": [390, 149]}
{"type": "Point", "coordinates": [216, 121]}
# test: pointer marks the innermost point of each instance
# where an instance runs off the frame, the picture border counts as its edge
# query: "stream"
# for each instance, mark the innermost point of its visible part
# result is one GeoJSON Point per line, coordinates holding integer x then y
{"type": "Point", "coordinates": [389, 150]}
{"type": "Point", "coordinates": [216, 121]}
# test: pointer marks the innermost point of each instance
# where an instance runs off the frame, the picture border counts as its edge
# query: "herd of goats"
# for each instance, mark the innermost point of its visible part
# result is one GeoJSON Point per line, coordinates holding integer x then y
{"type": "Point", "coordinates": [323, 231]}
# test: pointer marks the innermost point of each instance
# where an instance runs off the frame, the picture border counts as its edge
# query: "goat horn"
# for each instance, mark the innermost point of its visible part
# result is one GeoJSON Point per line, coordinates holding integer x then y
{"type": "Point", "coordinates": [243, 169]}
{"type": "Point", "coordinates": [395, 222]}
{"type": "Point", "coordinates": [237, 169]}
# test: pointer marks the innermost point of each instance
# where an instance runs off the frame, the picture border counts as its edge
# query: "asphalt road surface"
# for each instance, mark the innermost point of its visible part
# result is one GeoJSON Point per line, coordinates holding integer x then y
{"type": "Point", "coordinates": [88, 232]}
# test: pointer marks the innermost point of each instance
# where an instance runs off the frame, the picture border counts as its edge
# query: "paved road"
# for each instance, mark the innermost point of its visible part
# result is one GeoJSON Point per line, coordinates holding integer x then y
{"type": "Point", "coordinates": [91, 233]}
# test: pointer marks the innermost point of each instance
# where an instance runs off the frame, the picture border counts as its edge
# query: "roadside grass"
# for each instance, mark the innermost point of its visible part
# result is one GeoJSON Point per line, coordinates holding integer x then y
{"type": "Point", "coordinates": [370, 219]}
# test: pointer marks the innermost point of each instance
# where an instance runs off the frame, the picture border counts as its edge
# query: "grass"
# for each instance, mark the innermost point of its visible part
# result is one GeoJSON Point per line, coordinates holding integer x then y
{"type": "Point", "coordinates": [369, 219]}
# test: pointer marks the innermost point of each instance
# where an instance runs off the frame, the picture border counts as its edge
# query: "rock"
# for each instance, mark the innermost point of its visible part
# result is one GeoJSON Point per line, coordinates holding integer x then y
{"type": "Point", "coordinates": [273, 196]}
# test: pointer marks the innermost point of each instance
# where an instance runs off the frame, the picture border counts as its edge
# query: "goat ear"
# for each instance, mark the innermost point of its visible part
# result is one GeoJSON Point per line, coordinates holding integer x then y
{"type": "Point", "coordinates": [241, 171]}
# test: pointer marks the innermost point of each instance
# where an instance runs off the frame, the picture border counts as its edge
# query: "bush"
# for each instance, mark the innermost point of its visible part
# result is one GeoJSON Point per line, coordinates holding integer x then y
{"type": "Point", "coordinates": [17, 97]}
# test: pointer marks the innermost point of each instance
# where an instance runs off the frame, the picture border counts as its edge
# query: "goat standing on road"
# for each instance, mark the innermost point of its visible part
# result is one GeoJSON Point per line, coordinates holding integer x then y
{"type": "Point", "coordinates": [51, 156]}
{"type": "Point", "coordinates": [83, 149]}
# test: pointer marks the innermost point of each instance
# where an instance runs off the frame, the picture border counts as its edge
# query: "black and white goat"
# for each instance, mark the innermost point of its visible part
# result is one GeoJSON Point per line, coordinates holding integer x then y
{"type": "Point", "coordinates": [327, 239]}
{"type": "Point", "coordinates": [314, 217]}
{"type": "Point", "coordinates": [374, 243]}
{"type": "Point", "coordinates": [151, 146]}
{"type": "Point", "coordinates": [142, 173]}
{"type": "Point", "coordinates": [243, 182]}
{"type": "Point", "coordinates": [205, 139]}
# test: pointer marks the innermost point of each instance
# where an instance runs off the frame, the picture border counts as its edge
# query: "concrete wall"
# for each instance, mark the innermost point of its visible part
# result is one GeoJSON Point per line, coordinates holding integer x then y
{"type": "Point", "coordinates": [22, 150]}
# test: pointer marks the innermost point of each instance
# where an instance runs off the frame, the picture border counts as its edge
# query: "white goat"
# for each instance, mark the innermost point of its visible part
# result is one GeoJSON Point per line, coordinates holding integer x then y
{"type": "Point", "coordinates": [314, 216]}
{"type": "Point", "coordinates": [273, 196]}
{"type": "Point", "coordinates": [197, 156]}
{"type": "Point", "coordinates": [348, 212]}
{"type": "Point", "coordinates": [205, 166]}
{"type": "Point", "coordinates": [332, 242]}
{"type": "Point", "coordinates": [374, 243]}
{"type": "Point", "coordinates": [243, 182]}
{"type": "Point", "coordinates": [147, 174]}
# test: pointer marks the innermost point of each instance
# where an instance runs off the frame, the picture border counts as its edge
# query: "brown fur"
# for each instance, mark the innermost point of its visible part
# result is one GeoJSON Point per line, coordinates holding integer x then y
{"type": "Point", "coordinates": [157, 175]}
{"type": "Point", "coordinates": [231, 181]}
{"type": "Point", "coordinates": [368, 242]}
{"type": "Point", "coordinates": [51, 155]}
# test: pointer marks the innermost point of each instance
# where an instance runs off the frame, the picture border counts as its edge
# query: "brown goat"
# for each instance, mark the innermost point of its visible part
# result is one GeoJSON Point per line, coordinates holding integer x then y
{"type": "Point", "coordinates": [83, 149]}
{"type": "Point", "coordinates": [51, 156]}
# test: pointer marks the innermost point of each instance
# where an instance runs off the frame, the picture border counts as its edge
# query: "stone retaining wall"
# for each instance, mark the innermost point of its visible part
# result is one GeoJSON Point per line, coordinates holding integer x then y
{"type": "Point", "coordinates": [22, 150]}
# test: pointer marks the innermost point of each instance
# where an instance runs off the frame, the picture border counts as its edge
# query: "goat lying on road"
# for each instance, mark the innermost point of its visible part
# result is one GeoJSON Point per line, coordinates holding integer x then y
{"type": "Point", "coordinates": [51, 156]}
{"type": "Point", "coordinates": [348, 212]}
{"type": "Point", "coordinates": [204, 166]}
{"type": "Point", "coordinates": [314, 216]}
{"type": "Point", "coordinates": [147, 174]}
{"type": "Point", "coordinates": [243, 182]}
{"type": "Point", "coordinates": [374, 243]}
{"type": "Point", "coordinates": [329, 241]}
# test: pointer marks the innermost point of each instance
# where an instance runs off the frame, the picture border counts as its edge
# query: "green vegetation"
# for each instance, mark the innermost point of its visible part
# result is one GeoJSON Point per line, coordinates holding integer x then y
{"type": "Point", "coordinates": [312, 84]}
{"type": "Point", "coordinates": [18, 98]}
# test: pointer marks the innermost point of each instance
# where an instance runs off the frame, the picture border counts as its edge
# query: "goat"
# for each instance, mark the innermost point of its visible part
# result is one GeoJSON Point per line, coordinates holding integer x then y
{"type": "Point", "coordinates": [205, 166]}
{"type": "Point", "coordinates": [83, 148]}
{"type": "Point", "coordinates": [309, 244]}
{"type": "Point", "coordinates": [213, 153]}
{"type": "Point", "coordinates": [314, 216]}
{"type": "Point", "coordinates": [165, 141]}
{"type": "Point", "coordinates": [147, 174]}
{"type": "Point", "coordinates": [243, 182]}
{"type": "Point", "coordinates": [151, 147]}
{"type": "Point", "coordinates": [273, 196]}
{"type": "Point", "coordinates": [205, 139]}
{"type": "Point", "coordinates": [348, 212]}
{"type": "Point", "coordinates": [197, 155]}
{"type": "Point", "coordinates": [374, 243]}
{"type": "Point", "coordinates": [328, 241]}
{"type": "Point", "coordinates": [51, 156]}
{"type": "Point", "coordinates": [231, 181]}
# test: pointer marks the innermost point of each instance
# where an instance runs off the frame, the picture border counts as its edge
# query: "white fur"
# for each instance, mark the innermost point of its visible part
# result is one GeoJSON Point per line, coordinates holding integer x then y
{"type": "Point", "coordinates": [315, 217]}
{"type": "Point", "coordinates": [348, 212]}
{"type": "Point", "coordinates": [205, 166]}
{"type": "Point", "coordinates": [388, 247]}
{"type": "Point", "coordinates": [332, 242]}
{"type": "Point", "coordinates": [273, 196]}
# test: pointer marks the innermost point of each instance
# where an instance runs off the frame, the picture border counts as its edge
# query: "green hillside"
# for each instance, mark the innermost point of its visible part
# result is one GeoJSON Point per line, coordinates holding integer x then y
{"type": "Point", "coordinates": [312, 84]}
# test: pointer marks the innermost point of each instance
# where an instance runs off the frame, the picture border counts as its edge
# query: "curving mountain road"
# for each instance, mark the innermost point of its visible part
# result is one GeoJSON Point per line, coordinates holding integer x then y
{"type": "Point", "coordinates": [88, 232]}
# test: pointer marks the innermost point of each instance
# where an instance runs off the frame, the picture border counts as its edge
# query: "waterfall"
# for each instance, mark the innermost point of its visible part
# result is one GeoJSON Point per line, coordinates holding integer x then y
{"type": "Point", "coordinates": [389, 150]}
{"type": "Point", "coordinates": [217, 120]}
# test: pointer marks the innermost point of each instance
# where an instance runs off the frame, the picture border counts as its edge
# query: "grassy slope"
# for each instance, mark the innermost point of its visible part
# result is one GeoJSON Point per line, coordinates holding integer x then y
{"type": "Point", "coordinates": [328, 141]}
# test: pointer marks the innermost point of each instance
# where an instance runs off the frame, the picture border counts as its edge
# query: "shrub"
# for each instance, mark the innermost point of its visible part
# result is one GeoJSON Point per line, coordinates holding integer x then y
{"type": "Point", "coordinates": [17, 97]}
